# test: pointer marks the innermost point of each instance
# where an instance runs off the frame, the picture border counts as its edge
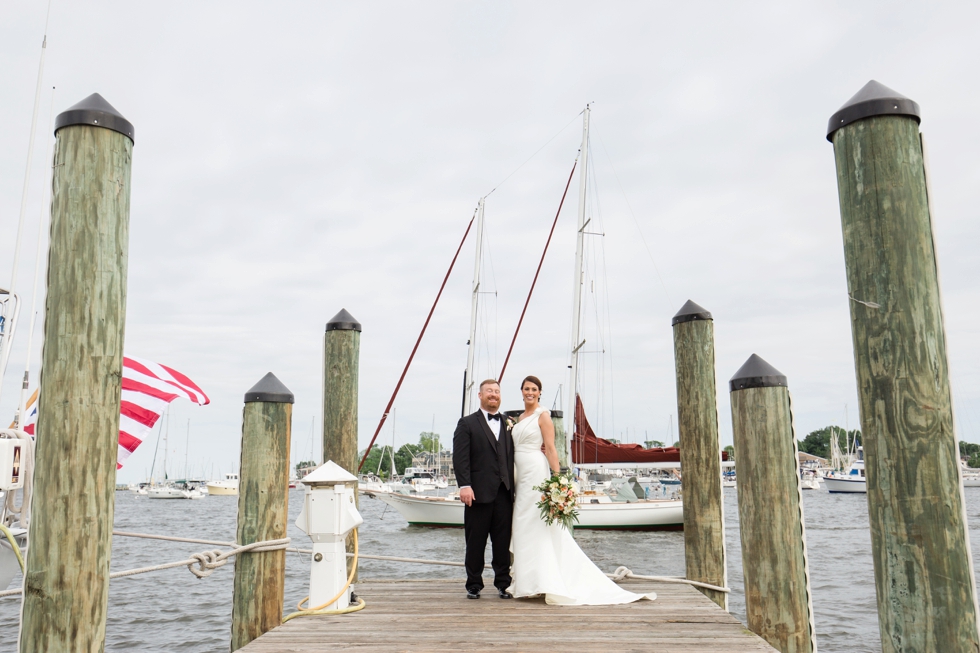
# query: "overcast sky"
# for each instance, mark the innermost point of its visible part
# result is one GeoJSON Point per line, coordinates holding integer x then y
{"type": "Point", "coordinates": [293, 159]}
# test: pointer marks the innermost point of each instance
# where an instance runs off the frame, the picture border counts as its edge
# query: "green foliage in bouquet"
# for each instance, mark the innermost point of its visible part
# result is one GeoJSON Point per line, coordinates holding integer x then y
{"type": "Point", "coordinates": [559, 501]}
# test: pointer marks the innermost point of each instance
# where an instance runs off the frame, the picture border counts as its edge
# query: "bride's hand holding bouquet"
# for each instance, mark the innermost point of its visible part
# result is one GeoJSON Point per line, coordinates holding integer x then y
{"type": "Point", "coordinates": [559, 500]}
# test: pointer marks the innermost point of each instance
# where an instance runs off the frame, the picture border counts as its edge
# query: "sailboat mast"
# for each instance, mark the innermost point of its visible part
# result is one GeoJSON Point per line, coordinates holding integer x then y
{"type": "Point", "coordinates": [474, 305]}
{"type": "Point", "coordinates": [577, 286]}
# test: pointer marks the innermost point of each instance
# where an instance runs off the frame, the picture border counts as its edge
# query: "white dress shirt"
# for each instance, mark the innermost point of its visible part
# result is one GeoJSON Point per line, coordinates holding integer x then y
{"type": "Point", "coordinates": [494, 424]}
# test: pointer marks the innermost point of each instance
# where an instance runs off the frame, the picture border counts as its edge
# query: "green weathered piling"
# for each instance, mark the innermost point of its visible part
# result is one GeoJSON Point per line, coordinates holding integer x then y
{"type": "Point", "coordinates": [66, 586]}
{"type": "Point", "coordinates": [697, 423]}
{"type": "Point", "coordinates": [923, 572]}
{"type": "Point", "coordinates": [341, 355]}
{"type": "Point", "coordinates": [777, 583]}
{"type": "Point", "coordinates": [561, 438]}
{"type": "Point", "coordinates": [263, 506]}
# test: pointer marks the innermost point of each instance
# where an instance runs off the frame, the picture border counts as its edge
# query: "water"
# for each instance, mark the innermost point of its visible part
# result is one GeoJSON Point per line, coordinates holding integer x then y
{"type": "Point", "coordinates": [174, 611]}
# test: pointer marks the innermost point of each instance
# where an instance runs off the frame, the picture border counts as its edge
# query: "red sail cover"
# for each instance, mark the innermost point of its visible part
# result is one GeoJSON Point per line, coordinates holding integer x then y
{"type": "Point", "coordinates": [587, 448]}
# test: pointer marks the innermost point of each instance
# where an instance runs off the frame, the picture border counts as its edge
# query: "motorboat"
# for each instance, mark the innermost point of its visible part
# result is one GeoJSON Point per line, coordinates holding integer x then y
{"type": "Point", "coordinates": [164, 492]}
{"type": "Point", "coordinates": [180, 490]}
{"type": "Point", "coordinates": [226, 487]}
{"type": "Point", "coordinates": [850, 482]}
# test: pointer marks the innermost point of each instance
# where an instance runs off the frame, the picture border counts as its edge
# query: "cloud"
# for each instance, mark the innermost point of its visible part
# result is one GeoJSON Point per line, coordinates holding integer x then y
{"type": "Point", "coordinates": [295, 161]}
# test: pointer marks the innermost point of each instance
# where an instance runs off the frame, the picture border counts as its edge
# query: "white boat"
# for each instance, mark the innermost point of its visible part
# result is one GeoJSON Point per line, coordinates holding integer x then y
{"type": "Point", "coordinates": [809, 480]}
{"type": "Point", "coordinates": [165, 492]}
{"type": "Point", "coordinates": [601, 512]}
{"type": "Point", "coordinates": [227, 487]}
{"type": "Point", "coordinates": [176, 491]}
{"type": "Point", "coordinates": [851, 482]}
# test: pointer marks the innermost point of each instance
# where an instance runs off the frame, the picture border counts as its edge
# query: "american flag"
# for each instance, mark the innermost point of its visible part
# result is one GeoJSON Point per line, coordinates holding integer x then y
{"type": "Point", "coordinates": [147, 388]}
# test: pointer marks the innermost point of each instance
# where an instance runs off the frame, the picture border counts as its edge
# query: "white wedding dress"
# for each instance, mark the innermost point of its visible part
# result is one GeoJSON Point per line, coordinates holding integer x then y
{"type": "Point", "coordinates": [547, 560]}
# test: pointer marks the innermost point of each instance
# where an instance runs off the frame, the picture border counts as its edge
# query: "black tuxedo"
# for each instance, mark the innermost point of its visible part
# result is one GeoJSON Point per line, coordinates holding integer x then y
{"type": "Point", "coordinates": [486, 464]}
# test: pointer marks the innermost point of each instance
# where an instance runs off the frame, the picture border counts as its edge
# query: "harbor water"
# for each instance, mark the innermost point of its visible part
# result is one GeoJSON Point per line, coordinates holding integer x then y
{"type": "Point", "coordinates": [174, 611]}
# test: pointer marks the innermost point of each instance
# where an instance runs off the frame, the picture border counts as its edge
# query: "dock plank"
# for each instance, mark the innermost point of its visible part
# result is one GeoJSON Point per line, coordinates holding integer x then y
{"type": "Point", "coordinates": [435, 616]}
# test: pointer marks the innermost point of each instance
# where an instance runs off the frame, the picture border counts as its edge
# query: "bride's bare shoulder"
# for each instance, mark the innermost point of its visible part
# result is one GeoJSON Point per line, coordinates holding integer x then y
{"type": "Point", "coordinates": [544, 417]}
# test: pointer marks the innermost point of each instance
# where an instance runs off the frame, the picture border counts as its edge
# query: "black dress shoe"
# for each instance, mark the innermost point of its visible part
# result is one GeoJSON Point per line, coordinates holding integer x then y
{"type": "Point", "coordinates": [470, 594]}
{"type": "Point", "coordinates": [504, 594]}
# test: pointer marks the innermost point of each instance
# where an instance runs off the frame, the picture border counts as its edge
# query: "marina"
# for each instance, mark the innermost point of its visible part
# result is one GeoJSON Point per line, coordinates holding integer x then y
{"type": "Point", "coordinates": [144, 615]}
{"type": "Point", "coordinates": [311, 317]}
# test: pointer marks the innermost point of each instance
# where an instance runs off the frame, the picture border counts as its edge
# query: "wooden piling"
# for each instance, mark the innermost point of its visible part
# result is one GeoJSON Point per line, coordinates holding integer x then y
{"type": "Point", "coordinates": [341, 355]}
{"type": "Point", "coordinates": [778, 606]}
{"type": "Point", "coordinates": [263, 506]}
{"type": "Point", "coordinates": [697, 423]}
{"type": "Point", "coordinates": [66, 585]}
{"type": "Point", "coordinates": [561, 438]}
{"type": "Point", "coordinates": [923, 569]}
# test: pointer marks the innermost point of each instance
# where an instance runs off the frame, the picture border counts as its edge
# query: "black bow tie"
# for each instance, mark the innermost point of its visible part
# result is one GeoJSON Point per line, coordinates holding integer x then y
{"type": "Point", "coordinates": [491, 416]}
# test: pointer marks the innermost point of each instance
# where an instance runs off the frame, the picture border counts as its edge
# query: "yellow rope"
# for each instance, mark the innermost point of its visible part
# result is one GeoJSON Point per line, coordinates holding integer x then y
{"type": "Point", "coordinates": [303, 612]}
{"type": "Point", "coordinates": [309, 613]}
{"type": "Point", "coordinates": [13, 543]}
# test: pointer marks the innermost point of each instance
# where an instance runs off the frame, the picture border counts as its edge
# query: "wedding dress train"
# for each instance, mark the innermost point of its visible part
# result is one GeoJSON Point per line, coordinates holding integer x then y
{"type": "Point", "coordinates": [547, 560]}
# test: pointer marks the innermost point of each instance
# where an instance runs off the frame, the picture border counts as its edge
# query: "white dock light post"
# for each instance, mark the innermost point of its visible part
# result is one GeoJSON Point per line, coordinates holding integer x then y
{"type": "Point", "coordinates": [329, 514]}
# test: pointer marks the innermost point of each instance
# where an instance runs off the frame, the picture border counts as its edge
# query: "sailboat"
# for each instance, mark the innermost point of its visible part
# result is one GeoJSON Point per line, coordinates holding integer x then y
{"type": "Point", "coordinates": [628, 510]}
{"type": "Point", "coordinates": [171, 489]}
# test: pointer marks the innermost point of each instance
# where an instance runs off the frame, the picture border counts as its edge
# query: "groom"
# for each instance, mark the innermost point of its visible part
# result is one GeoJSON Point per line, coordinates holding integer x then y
{"type": "Point", "coordinates": [483, 459]}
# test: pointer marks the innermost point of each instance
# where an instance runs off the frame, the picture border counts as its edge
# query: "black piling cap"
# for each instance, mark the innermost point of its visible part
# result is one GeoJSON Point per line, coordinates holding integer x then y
{"type": "Point", "coordinates": [873, 100]}
{"type": "Point", "coordinates": [343, 321]}
{"type": "Point", "coordinates": [690, 312]}
{"type": "Point", "coordinates": [756, 373]}
{"type": "Point", "coordinates": [269, 389]}
{"type": "Point", "coordinates": [94, 110]}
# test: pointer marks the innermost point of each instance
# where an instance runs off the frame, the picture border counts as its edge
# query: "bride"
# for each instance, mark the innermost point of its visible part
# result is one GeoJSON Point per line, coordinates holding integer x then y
{"type": "Point", "coordinates": [547, 559]}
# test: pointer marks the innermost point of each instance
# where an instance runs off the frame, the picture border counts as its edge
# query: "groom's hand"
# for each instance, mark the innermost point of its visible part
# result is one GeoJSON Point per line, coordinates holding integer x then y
{"type": "Point", "coordinates": [466, 496]}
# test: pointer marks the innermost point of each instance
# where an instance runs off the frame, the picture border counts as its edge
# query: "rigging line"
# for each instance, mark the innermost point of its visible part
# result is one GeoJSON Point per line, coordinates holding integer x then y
{"type": "Point", "coordinates": [22, 407]}
{"type": "Point", "coordinates": [635, 221]}
{"type": "Point", "coordinates": [30, 149]}
{"type": "Point", "coordinates": [535, 153]}
{"type": "Point", "coordinates": [411, 356]}
{"type": "Point", "coordinates": [606, 339]}
{"type": "Point", "coordinates": [538, 271]}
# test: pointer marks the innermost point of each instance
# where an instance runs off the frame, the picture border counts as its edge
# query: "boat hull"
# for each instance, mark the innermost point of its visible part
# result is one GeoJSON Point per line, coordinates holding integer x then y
{"type": "Point", "coordinates": [642, 515]}
{"type": "Point", "coordinates": [845, 485]}
{"type": "Point", "coordinates": [222, 490]}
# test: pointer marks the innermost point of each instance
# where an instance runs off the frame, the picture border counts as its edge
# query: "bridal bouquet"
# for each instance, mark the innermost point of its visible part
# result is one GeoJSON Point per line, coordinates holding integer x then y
{"type": "Point", "coordinates": [558, 501]}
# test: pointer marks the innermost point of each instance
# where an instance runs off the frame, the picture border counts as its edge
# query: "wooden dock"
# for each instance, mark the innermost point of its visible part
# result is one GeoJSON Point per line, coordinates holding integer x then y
{"type": "Point", "coordinates": [435, 615]}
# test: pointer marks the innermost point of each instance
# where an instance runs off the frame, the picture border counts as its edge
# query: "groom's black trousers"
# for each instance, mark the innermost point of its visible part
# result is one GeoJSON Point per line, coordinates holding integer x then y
{"type": "Point", "coordinates": [479, 521]}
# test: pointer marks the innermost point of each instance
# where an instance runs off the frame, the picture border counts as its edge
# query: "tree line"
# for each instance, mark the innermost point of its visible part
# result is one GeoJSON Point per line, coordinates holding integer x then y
{"type": "Point", "coordinates": [380, 457]}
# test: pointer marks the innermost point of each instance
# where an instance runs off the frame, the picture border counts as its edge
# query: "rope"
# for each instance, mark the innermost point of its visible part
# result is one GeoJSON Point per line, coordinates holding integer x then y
{"type": "Point", "coordinates": [13, 543]}
{"type": "Point", "coordinates": [411, 356]}
{"type": "Point", "coordinates": [201, 564]}
{"type": "Point", "coordinates": [537, 272]}
{"type": "Point", "coordinates": [204, 563]}
{"type": "Point", "coordinates": [624, 572]}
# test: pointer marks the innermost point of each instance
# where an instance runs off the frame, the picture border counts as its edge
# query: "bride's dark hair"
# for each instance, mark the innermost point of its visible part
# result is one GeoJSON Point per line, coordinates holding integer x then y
{"type": "Point", "coordinates": [533, 379]}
